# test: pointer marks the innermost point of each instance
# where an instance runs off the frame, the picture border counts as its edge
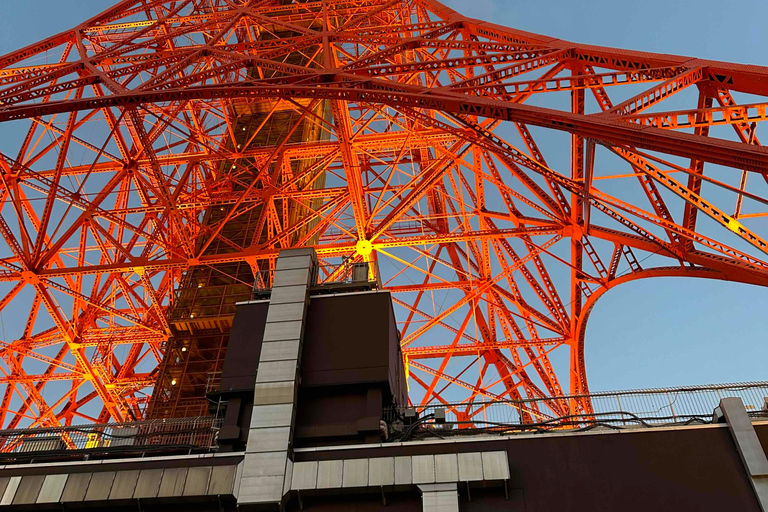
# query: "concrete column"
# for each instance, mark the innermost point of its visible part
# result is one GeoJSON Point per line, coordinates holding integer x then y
{"type": "Point", "coordinates": [751, 452]}
{"type": "Point", "coordinates": [439, 497]}
{"type": "Point", "coordinates": [268, 463]}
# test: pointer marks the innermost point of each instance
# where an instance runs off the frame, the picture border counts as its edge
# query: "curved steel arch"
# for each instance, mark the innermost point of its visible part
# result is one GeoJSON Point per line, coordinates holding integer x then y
{"type": "Point", "coordinates": [699, 273]}
{"type": "Point", "coordinates": [170, 146]}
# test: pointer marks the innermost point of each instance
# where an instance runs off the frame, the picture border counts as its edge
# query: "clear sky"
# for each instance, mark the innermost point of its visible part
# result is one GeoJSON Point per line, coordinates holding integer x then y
{"type": "Point", "coordinates": [647, 334]}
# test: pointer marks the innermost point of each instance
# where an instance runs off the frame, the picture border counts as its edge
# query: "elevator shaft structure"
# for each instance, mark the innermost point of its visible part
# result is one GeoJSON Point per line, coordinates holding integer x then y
{"type": "Point", "coordinates": [204, 306]}
{"type": "Point", "coordinates": [497, 183]}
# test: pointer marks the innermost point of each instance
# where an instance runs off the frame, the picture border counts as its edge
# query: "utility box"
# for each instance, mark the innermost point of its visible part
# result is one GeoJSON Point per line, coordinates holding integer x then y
{"type": "Point", "coordinates": [360, 272]}
{"type": "Point", "coordinates": [351, 368]}
{"type": "Point", "coordinates": [42, 444]}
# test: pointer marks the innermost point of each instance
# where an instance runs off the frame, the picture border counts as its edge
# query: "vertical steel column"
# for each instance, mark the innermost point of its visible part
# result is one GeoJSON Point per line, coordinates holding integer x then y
{"type": "Point", "coordinates": [751, 452]}
{"type": "Point", "coordinates": [268, 463]}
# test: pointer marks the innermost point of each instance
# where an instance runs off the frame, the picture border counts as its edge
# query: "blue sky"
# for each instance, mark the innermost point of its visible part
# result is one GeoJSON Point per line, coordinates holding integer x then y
{"type": "Point", "coordinates": [661, 332]}
{"type": "Point", "coordinates": [646, 334]}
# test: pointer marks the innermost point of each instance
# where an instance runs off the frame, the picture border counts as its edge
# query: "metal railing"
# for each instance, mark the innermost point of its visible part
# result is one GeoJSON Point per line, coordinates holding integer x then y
{"type": "Point", "coordinates": [644, 407]}
{"type": "Point", "coordinates": [198, 433]}
{"type": "Point", "coordinates": [346, 272]}
{"type": "Point", "coordinates": [328, 274]}
{"type": "Point", "coordinates": [208, 302]}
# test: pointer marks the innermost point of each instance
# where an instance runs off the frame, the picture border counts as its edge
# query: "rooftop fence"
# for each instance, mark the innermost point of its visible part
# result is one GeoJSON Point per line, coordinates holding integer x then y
{"type": "Point", "coordinates": [329, 276]}
{"type": "Point", "coordinates": [617, 409]}
{"type": "Point", "coordinates": [191, 434]}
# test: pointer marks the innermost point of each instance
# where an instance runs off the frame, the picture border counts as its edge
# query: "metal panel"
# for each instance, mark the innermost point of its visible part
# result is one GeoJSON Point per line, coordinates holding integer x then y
{"type": "Point", "coordinates": [446, 468]}
{"type": "Point", "coordinates": [286, 294]}
{"type": "Point", "coordinates": [269, 440]}
{"type": "Point", "coordinates": [271, 416]}
{"type": "Point", "coordinates": [288, 476]}
{"type": "Point", "coordinates": [285, 312]}
{"type": "Point", "coordinates": [355, 473]}
{"type": "Point", "coordinates": [293, 262]}
{"type": "Point", "coordinates": [438, 487]}
{"type": "Point", "coordinates": [279, 350]}
{"type": "Point", "coordinates": [748, 445]}
{"type": "Point", "coordinates": [124, 436]}
{"type": "Point", "coordinates": [381, 471]}
{"type": "Point", "coordinates": [197, 481]}
{"type": "Point", "coordinates": [277, 371]}
{"type": "Point", "coordinates": [271, 393]}
{"type": "Point", "coordinates": [304, 476]}
{"type": "Point", "coordinates": [172, 483]}
{"type": "Point", "coordinates": [4, 484]}
{"type": "Point", "coordinates": [222, 480]}
{"type": "Point", "coordinates": [101, 484]}
{"type": "Point", "coordinates": [495, 466]}
{"type": "Point", "coordinates": [52, 488]}
{"type": "Point", "coordinates": [124, 485]}
{"type": "Point", "coordinates": [291, 277]}
{"type": "Point", "coordinates": [238, 479]}
{"type": "Point", "coordinates": [423, 469]}
{"type": "Point", "coordinates": [442, 500]}
{"type": "Point", "coordinates": [329, 474]}
{"type": "Point", "coordinates": [260, 489]}
{"type": "Point", "coordinates": [10, 490]}
{"type": "Point", "coordinates": [148, 484]}
{"type": "Point", "coordinates": [298, 251]}
{"type": "Point", "coordinates": [470, 467]}
{"type": "Point", "coordinates": [360, 271]}
{"type": "Point", "coordinates": [77, 485]}
{"type": "Point", "coordinates": [403, 471]}
{"type": "Point", "coordinates": [29, 489]}
{"type": "Point", "coordinates": [42, 444]}
{"type": "Point", "coordinates": [265, 464]}
{"type": "Point", "coordinates": [281, 331]}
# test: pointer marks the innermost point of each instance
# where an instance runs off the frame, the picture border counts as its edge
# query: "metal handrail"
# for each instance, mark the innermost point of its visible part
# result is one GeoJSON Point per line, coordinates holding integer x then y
{"type": "Point", "coordinates": [653, 406]}
{"type": "Point", "coordinates": [328, 274]}
{"type": "Point", "coordinates": [197, 432]}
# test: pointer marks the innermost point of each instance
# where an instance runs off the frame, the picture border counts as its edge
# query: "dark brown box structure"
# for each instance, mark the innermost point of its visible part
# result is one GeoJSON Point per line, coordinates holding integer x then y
{"type": "Point", "coordinates": [351, 369]}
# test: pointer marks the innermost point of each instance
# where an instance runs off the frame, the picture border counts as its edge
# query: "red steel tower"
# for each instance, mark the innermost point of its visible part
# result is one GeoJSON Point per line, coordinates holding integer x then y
{"type": "Point", "coordinates": [161, 154]}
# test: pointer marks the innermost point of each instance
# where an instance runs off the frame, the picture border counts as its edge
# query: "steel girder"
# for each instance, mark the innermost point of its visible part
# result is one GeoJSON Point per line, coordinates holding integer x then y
{"type": "Point", "coordinates": [442, 162]}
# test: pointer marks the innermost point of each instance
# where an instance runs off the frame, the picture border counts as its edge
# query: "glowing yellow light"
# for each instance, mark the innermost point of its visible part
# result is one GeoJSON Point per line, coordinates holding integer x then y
{"type": "Point", "coordinates": [183, 349]}
{"type": "Point", "coordinates": [407, 374]}
{"type": "Point", "coordinates": [364, 248]}
{"type": "Point", "coordinates": [93, 441]}
{"type": "Point", "coordinates": [173, 382]}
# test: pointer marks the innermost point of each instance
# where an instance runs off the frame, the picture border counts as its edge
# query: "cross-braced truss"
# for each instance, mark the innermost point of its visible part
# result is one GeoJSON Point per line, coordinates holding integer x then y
{"type": "Point", "coordinates": [503, 182]}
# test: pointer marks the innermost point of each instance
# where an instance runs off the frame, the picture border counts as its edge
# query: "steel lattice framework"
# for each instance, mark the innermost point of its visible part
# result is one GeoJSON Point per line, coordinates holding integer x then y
{"type": "Point", "coordinates": [502, 180]}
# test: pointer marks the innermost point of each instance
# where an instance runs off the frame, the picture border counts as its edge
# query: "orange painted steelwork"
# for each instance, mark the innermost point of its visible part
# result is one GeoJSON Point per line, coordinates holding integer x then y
{"type": "Point", "coordinates": [130, 174]}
